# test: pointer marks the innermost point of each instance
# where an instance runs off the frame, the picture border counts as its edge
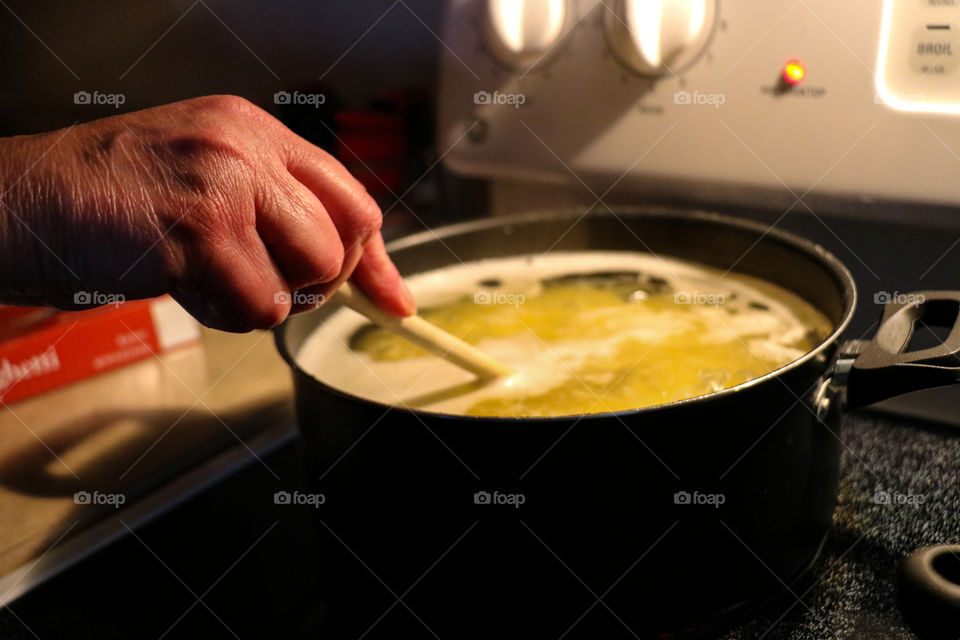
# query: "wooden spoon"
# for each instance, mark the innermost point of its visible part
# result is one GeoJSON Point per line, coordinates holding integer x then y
{"type": "Point", "coordinates": [423, 334]}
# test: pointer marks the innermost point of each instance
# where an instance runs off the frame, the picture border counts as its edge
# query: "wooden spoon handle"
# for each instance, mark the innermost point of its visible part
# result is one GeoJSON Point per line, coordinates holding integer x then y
{"type": "Point", "coordinates": [423, 334]}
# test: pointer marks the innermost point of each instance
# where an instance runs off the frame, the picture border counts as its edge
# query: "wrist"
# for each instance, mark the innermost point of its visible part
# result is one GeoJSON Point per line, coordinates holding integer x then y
{"type": "Point", "coordinates": [28, 195]}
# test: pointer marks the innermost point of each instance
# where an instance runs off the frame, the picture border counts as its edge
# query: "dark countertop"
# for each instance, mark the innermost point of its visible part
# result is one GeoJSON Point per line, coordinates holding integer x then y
{"type": "Point", "coordinates": [853, 592]}
{"type": "Point", "coordinates": [140, 586]}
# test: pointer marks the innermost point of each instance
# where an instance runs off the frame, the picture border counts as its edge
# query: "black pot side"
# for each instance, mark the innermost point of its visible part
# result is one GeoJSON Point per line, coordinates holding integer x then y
{"type": "Point", "coordinates": [664, 520]}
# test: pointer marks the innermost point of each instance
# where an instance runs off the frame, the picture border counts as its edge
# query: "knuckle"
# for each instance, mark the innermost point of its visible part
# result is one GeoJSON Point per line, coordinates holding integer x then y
{"type": "Point", "coordinates": [230, 105]}
{"type": "Point", "coordinates": [267, 313]}
{"type": "Point", "coordinates": [331, 263]}
{"type": "Point", "coordinates": [369, 219]}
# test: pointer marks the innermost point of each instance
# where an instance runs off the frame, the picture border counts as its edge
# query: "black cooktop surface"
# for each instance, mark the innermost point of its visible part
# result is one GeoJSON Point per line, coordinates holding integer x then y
{"type": "Point", "coordinates": [232, 563]}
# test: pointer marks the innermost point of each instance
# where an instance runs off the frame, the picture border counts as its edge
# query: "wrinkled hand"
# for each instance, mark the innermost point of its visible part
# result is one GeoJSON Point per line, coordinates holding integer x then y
{"type": "Point", "coordinates": [211, 200]}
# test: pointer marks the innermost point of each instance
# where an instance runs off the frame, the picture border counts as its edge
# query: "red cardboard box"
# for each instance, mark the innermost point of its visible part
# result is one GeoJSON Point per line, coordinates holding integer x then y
{"type": "Point", "coordinates": [42, 348]}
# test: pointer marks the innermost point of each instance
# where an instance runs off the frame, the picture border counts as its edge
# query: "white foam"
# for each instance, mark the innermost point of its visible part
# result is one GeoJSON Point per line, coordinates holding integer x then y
{"type": "Point", "coordinates": [539, 366]}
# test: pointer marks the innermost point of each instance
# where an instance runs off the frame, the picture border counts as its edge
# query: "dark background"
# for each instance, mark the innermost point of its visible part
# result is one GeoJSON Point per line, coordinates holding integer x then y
{"type": "Point", "coordinates": [160, 51]}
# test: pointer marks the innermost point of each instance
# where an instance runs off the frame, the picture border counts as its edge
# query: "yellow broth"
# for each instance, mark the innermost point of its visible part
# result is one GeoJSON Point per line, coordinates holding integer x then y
{"type": "Point", "coordinates": [593, 341]}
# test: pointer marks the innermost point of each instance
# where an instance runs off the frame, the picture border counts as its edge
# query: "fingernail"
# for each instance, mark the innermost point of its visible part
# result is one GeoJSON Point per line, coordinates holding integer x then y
{"type": "Point", "coordinates": [408, 298]}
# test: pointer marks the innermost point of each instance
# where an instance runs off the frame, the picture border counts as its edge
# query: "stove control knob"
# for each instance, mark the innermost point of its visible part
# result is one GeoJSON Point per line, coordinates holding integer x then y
{"type": "Point", "coordinates": [657, 37]}
{"type": "Point", "coordinates": [520, 33]}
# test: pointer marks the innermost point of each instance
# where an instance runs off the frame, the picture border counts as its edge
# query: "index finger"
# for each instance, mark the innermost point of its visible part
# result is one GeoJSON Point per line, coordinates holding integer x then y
{"type": "Point", "coordinates": [379, 278]}
{"type": "Point", "coordinates": [358, 219]}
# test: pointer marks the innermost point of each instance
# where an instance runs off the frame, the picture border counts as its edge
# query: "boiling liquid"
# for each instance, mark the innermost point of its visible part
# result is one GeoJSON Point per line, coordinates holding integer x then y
{"type": "Point", "coordinates": [585, 332]}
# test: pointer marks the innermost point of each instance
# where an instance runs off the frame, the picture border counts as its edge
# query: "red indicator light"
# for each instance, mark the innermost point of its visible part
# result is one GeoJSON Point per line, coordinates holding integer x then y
{"type": "Point", "coordinates": [794, 72]}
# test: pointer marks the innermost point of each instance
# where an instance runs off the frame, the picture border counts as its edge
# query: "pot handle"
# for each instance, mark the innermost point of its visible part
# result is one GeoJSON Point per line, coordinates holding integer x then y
{"type": "Point", "coordinates": [881, 368]}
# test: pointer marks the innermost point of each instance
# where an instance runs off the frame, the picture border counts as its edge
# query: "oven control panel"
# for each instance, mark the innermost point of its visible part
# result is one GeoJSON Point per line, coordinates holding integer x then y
{"type": "Point", "coordinates": [791, 99]}
{"type": "Point", "coordinates": [919, 59]}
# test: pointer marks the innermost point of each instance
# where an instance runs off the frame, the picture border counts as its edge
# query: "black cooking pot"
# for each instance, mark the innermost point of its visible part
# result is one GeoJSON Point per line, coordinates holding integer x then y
{"type": "Point", "coordinates": [662, 520]}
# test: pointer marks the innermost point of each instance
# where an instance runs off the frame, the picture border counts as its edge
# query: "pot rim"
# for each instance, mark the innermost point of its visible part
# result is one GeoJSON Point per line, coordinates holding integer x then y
{"type": "Point", "coordinates": [793, 241]}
